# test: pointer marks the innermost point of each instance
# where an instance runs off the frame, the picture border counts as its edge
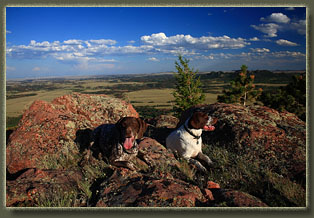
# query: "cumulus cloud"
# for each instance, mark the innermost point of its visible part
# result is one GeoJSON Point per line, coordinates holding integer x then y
{"type": "Point", "coordinates": [260, 50]}
{"type": "Point", "coordinates": [293, 54]}
{"type": "Point", "coordinates": [98, 53]}
{"type": "Point", "coordinates": [103, 41]}
{"type": "Point", "coordinates": [284, 42]}
{"type": "Point", "coordinates": [95, 49]}
{"type": "Point", "coordinates": [66, 50]}
{"type": "Point", "coordinates": [153, 59]}
{"type": "Point", "coordinates": [206, 57]}
{"type": "Point", "coordinates": [257, 55]}
{"type": "Point", "coordinates": [277, 18]}
{"type": "Point", "coordinates": [299, 26]}
{"type": "Point", "coordinates": [279, 21]}
{"type": "Point", "coordinates": [254, 39]}
{"type": "Point", "coordinates": [73, 42]}
{"type": "Point", "coordinates": [270, 29]}
{"type": "Point", "coordinates": [187, 41]}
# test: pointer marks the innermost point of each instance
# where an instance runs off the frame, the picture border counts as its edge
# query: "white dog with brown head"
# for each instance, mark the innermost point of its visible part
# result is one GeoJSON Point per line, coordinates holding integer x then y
{"type": "Point", "coordinates": [187, 140]}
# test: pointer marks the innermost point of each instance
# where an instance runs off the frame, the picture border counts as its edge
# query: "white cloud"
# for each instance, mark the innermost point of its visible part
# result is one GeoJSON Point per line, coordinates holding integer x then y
{"type": "Point", "coordinates": [73, 42]}
{"type": "Point", "coordinates": [8, 32]}
{"type": "Point", "coordinates": [293, 54]}
{"type": "Point", "coordinates": [254, 39]}
{"type": "Point", "coordinates": [260, 50]}
{"type": "Point", "coordinates": [98, 54]}
{"type": "Point", "coordinates": [299, 26]}
{"type": "Point", "coordinates": [35, 69]}
{"type": "Point", "coordinates": [131, 41]}
{"type": "Point", "coordinates": [279, 21]}
{"type": "Point", "coordinates": [260, 54]}
{"type": "Point", "coordinates": [269, 28]}
{"type": "Point", "coordinates": [187, 41]}
{"type": "Point", "coordinates": [206, 57]}
{"type": "Point", "coordinates": [284, 42]}
{"type": "Point", "coordinates": [104, 41]}
{"type": "Point", "coordinates": [95, 50]}
{"type": "Point", "coordinates": [153, 59]}
{"type": "Point", "coordinates": [277, 18]}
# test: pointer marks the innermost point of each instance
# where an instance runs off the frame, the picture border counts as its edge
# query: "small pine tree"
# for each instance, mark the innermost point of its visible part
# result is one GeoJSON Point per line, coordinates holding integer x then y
{"type": "Point", "coordinates": [242, 89]}
{"type": "Point", "coordinates": [187, 88]}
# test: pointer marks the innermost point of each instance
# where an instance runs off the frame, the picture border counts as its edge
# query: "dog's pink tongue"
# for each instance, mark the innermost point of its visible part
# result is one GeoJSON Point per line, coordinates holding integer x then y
{"type": "Point", "coordinates": [128, 143]}
{"type": "Point", "coordinates": [209, 128]}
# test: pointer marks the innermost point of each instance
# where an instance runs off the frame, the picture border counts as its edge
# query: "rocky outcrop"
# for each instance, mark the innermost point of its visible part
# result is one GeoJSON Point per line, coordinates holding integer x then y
{"type": "Point", "coordinates": [28, 187]}
{"type": "Point", "coordinates": [278, 139]}
{"type": "Point", "coordinates": [48, 130]}
{"type": "Point", "coordinates": [50, 160]}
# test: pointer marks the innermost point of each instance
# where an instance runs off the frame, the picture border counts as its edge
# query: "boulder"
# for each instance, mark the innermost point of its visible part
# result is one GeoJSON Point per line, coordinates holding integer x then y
{"type": "Point", "coordinates": [48, 130]}
{"type": "Point", "coordinates": [34, 185]}
{"type": "Point", "coordinates": [278, 139]}
{"type": "Point", "coordinates": [159, 183]}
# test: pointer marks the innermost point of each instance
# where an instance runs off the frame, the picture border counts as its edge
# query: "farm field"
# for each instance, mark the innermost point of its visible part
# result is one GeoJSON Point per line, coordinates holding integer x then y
{"type": "Point", "coordinates": [152, 91]}
{"type": "Point", "coordinates": [18, 100]}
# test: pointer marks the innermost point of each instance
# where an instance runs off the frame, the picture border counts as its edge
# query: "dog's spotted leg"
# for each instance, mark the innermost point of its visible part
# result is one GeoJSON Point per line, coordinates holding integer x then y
{"type": "Point", "coordinates": [125, 164]}
{"type": "Point", "coordinates": [197, 164]}
{"type": "Point", "coordinates": [142, 156]}
{"type": "Point", "coordinates": [204, 159]}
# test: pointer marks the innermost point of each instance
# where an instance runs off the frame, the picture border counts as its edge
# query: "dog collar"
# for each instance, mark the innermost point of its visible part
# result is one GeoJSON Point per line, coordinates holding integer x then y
{"type": "Point", "coordinates": [189, 131]}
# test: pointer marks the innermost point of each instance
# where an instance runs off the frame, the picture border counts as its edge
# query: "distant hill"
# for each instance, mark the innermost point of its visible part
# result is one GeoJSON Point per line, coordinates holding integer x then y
{"type": "Point", "coordinates": [261, 76]}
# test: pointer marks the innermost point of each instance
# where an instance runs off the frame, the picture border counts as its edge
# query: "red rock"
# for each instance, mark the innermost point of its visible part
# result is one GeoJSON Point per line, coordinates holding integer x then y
{"type": "Point", "coordinates": [49, 128]}
{"type": "Point", "coordinates": [265, 132]}
{"type": "Point", "coordinates": [239, 199]}
{"type": "Point", "coordinates": [211, 185]}
{"type": "Point", "coordinates": [33, 182]}
{"type": "Point", "coordinates": [209, 194]}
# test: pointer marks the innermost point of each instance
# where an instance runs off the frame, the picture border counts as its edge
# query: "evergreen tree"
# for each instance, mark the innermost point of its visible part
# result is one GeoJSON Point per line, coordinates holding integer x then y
{"type": "Point", "coordinates": [187, 87]}
{"type": "Point", "coordinates": [291, 98]}
{"type": "Point", "coordinates": [242, 89]}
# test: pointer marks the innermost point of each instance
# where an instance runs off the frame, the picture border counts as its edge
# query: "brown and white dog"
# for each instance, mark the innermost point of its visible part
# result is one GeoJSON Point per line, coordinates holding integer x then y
{"type": "Point", "coordinates": [187, 142]}
{"type": "Point", "coordinates": [117, 142]}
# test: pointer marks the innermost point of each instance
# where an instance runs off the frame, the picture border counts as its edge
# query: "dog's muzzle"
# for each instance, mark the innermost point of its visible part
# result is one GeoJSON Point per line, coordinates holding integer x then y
{"type": "Point", "coordinates": [129, 145]}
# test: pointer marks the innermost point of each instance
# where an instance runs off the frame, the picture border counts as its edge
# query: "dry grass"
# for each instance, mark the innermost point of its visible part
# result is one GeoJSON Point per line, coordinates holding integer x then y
{"type": "Point", "coordinates": [16, 106]}
{"type": "Point", "coordinates": [97, 83]}
{"type": "Point", "coordinates": [160, 98]}
{"type": "Point", "coordinates": [151, 97]}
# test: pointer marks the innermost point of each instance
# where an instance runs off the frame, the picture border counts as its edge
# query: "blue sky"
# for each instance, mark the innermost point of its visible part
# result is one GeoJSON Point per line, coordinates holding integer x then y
{"type": "Point", "coordinates": [65, 41]}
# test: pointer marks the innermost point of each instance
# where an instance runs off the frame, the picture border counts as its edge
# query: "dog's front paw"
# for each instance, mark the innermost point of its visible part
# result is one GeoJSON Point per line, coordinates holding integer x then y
{"type": "Point", "coordinates": [199, 166]}
{"type": "Point", "coordinates": [209, 162]}
{"type": "Point", "coordinates": [203, 169]}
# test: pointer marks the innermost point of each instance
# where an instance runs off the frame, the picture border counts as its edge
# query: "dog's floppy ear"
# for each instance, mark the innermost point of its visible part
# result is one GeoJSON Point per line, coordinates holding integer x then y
{"type": "Point", "coordinates": [118, 123]}
{"type": "Point", "coordinates": [118, 127]}
{"type": "Point", "coordinates": [142, 128]}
